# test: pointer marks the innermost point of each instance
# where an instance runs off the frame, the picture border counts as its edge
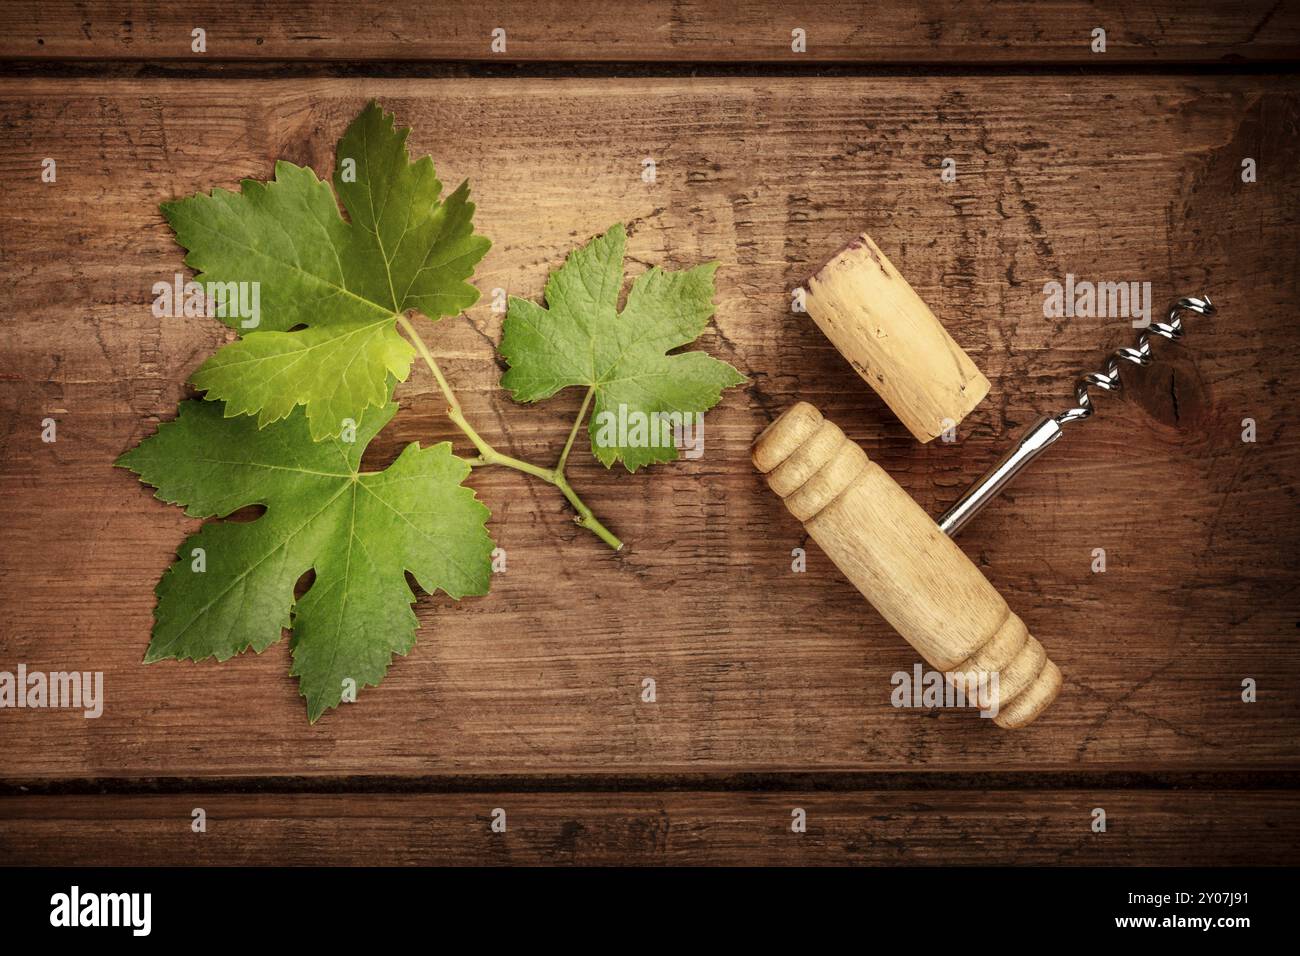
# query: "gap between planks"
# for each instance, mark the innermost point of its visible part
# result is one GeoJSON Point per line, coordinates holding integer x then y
{"type": "Point", "coordinates": [1257, 779]}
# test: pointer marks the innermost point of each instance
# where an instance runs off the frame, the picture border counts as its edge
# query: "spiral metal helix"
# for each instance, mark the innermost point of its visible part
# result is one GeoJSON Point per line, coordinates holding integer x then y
{"type": "Point", "coordinates": [1108, 378]}
{"type": "Point", "coordinates": [1043, 433]}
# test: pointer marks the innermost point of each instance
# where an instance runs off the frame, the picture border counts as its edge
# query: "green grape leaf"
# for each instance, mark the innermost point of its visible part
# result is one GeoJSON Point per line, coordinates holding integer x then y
{"type": "Point", "coordinates": [233, 587]}
{"type": "Point", "coordinates": [327, 291]}
{"type": "Point", "coordinates": [580, 338]}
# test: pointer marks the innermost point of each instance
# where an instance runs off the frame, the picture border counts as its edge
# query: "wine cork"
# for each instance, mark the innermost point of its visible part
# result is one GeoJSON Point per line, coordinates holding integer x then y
{"type": "Point", "coordinates": [878, 322]}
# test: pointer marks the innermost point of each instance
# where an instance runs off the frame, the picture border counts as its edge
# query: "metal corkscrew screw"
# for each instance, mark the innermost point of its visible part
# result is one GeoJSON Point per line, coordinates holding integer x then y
{"type": "Point", "coordinates": [1047, 430]}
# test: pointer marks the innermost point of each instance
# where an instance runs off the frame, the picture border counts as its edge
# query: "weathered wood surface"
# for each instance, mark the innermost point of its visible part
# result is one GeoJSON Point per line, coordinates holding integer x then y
{"type": "Point", "coordinates": [1188, 828]}
{"type": "Point", "coordinates": [1118, 178]}
{"type": "Point", "coordinates": [893, 31]}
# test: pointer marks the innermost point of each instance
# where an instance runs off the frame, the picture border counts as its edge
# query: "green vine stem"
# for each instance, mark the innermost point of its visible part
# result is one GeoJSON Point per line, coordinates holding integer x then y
{"type": "Point", "coordinates": [487, 455]}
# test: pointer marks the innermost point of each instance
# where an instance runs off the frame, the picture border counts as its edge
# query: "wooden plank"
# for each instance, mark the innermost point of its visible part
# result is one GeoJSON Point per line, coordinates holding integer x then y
{"type": "Point", "coordinates": [1143, 828]}
{"type": "Point", "coordinates": [1118, 178]}
{"type": "Point", "coordinates": [889, 32]}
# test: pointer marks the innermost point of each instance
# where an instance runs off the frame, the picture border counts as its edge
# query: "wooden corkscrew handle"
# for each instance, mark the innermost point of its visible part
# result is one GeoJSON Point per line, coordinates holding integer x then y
{"type": "Point", "coordinates": [895, 554]}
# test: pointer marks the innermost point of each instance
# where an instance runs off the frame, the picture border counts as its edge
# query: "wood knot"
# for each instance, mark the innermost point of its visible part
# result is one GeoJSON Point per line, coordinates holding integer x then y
{"type": "Point", "coordinates": [1170, 390]}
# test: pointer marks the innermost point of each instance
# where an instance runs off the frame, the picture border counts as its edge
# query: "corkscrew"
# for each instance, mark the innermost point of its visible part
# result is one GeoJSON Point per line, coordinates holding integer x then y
{"type": "Point", "coordinates": [901, 560]}
{"type": "Point", "coordinates": [1044, 432]}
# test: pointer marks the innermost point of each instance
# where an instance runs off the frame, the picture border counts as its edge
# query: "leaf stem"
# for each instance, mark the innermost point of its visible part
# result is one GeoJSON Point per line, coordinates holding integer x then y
{"type": "Point", "coordinates": [487, 455]}
{"type": "Point", "coordinates": [573, 432]}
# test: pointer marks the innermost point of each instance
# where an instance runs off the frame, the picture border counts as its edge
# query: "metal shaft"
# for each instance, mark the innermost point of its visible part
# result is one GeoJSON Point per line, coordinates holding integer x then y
{"type": "Point", "coordinates": [1032, 444]}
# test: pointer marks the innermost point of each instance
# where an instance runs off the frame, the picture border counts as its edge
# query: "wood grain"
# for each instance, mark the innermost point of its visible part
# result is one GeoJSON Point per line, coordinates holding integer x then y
{"type": "Point", "coordinates": [1117, 178]}
{"type": "Point", "coordinates": [1145, 828]}
{"type": "Point", "coordinates": [888, 32]}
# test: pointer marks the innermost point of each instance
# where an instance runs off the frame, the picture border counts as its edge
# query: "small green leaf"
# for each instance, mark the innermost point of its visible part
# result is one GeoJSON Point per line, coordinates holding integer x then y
{"type": "Point", "coordinates": [330, 290]}
{"type": "Point", "coordinates": [581, 338]}
{"type": "Point", "coordinates": [359, 531]}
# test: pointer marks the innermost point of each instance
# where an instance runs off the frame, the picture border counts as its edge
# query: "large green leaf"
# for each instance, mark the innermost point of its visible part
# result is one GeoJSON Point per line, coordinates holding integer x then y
{"type": "Point", "coordinates": [581, 338]}
{"type": "Point", "coordinates": [330, 290]}
{"type": "Point", "coordinates": [359, 532]}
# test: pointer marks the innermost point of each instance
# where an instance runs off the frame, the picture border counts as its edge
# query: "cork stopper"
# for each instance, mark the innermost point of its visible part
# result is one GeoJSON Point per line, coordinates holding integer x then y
{"type": "Point", "coordinates": [892, 339]}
